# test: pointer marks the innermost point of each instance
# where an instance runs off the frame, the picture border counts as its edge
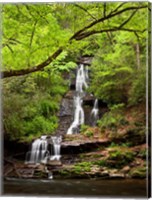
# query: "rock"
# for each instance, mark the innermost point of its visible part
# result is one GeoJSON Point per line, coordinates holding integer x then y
{"type": "Point", "coordinates": [54, 163]}
{"type": "Point", "coordinates": [138, 172]}
{"type": "Point", "coordinates": [86, 60]}
{"type": "Point", "coordinates": [68, 95]}
{"type": "Point", "coordinates": [31, 165]}
{"type": "Point", "coordinates": [26, 173]}
{"type": "Point", "coordinates": [117, 175]}
{"type": "Point", "coordinates": [105, 173]}
{"type": "Point", "coordinates": [40, 167]}
{"type": "Point", "coordinates": [125, 169]}
{"type": "Point", "coordinates": [113, 171]}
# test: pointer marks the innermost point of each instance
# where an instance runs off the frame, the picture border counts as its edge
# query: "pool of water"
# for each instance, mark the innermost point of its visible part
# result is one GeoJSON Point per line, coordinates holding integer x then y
{"type": "Point", "coordinates": [75, 188]}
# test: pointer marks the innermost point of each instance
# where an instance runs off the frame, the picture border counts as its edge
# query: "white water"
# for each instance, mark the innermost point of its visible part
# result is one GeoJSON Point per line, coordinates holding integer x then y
{"type": "Point", "coordinates": [39, 152]}
{"type": "Point", "coordinates": [56, 141]}
{"type": "Point", "coordinates": [81, 84]}
{"type": "Point", "coordinates": [95, 113]}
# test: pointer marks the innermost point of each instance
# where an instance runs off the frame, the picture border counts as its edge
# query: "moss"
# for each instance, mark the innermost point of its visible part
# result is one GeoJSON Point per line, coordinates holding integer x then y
{"type": "Point", "coordinates": [82, 167]}
{"type": "Point", "coordinates": [142, 153]}
{"type": "Point", "coordinates": [40, 174]}
{"type": "Point", "coordinates": [88, 133]}
{"type": "Point", "coordinates": [100, 163]}
{"type": "Point", "coordinates": [120, 156]}
{"type": "Point", "coordinates": [138, 172]}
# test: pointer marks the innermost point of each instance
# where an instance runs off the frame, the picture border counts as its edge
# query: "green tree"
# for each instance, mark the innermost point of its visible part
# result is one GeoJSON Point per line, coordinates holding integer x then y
{"type": "Point", "coordinates": [34, 36]}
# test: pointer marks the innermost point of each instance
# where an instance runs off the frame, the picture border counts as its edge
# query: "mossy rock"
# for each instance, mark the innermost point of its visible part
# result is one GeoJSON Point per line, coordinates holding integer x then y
{"type": "Point", "coordinates": [138, 172]}
{"type": "Point", "coordinates": [40, 174]}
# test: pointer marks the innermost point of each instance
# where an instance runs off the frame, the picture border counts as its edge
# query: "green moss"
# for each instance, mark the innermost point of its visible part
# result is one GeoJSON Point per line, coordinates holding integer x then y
{"type": "Point", "coordinates": [100, 163]}
{"type": "Point", "coordinates": [120, 156]}
{"type": "Point", "coordinates": [142, 153]}
{"type": "Point", "coordinates": [88, 133]}
{"type": "Point", "coordinates": [139, 172]}
{"type": "Point", "coordinates": [82, 167]}
{"type": "Point", "coordinates": [83, 128]}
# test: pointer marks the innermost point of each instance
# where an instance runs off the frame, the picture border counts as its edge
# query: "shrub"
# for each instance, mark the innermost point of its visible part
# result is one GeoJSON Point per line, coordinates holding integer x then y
{"type": "Point", "coordinates": [113, 118]}
{"type": "Point", "coordinates": [82, 167]}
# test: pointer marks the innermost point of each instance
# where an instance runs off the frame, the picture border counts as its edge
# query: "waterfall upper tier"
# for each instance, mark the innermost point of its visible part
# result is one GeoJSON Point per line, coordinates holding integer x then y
{"type": "Point", "coordinates": [81, 85]}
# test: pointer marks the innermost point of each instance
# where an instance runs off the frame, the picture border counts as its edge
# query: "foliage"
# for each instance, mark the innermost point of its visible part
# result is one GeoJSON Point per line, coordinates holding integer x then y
{"type": "Point", "coordinates": [138, 89]}
{"type": "Point", "coordinates": [121, 155]}
{"type": "Point", "coordinates": [126, 144]}
{"type": "Point", "coordinates": [143, 153]}
{"type": "Point", "coordinates": [100, 163]}
{"type": "Point", "coordinates": [113, 118]}
{"type": "Point", "coordinates": [118, 68]}
{"type": "Point", "coordinates": [84, 128]}
{"type": "Point", "coordinates": [30, 105]}
{"type": "Point", "coordinates": [82, 167]}
{"type": "Point", "coordinates": [88, 133]}
{"type": "Point", "coordinates": [33, 32]}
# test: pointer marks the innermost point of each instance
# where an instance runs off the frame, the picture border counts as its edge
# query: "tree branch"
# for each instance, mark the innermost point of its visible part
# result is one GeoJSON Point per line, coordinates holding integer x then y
{"type": "Point", "coordinates": [33, 69]}
{"type": "Point", "coordinates": [127, 20]}
{"type": "Point", "coordinates": [85, 10]}
{"type": "Point", "coordinates": [33, 31]}
{"type": "Point", "coordinates": [79, 35]}
{"type": "Point", "coordinates": [105, 18]}
{"type": "Point", "coordinates": [114, 29]}
{"type": "Point", "coordinates": [118, 7]}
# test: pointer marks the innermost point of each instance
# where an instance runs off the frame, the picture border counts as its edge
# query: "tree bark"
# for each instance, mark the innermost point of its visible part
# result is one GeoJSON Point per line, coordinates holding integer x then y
{"type": "Point", "coordinates": [138, 55]}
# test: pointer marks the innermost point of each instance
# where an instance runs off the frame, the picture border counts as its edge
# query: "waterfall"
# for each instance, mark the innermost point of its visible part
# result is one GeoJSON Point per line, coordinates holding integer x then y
{"type": "Point", "coordinates": [39, 152]}
{"type": "Point", "coordinates": [81, 84]}
{"type": "Point", "coordinates": [56, 141]}
{"type": "Point", "coordinates": [94, 113]}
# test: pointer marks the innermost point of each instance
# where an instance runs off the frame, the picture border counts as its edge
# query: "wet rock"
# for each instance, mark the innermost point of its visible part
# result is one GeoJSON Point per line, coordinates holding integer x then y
{"type": "Point", "coordinates": [40, 174]}
{"type": "Point", "coordinates": [40, 167]}
{"type": "Point", "coordinates": [70, 94]}
{"type": "Point", "coordinates": [66, 107]}
{"type": "Point", "coordinates": [54, 163]}
{"type": "Point", "coordinates": [26, 173]}
{"type": "Point", "coordinates": [105, 173]}
{"type": "Point", "coordinates": [125, 169]}
{"type": "Point", "coordinates": [117, 175]}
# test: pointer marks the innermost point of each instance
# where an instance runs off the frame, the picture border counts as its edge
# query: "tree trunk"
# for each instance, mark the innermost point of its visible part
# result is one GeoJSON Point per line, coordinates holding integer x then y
{"type": "Point", "coordinates": [138, 55]}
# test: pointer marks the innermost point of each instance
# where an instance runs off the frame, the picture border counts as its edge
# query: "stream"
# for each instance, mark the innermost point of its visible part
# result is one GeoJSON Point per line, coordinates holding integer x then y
{"type": "Point", "coordinates": [76, 187]}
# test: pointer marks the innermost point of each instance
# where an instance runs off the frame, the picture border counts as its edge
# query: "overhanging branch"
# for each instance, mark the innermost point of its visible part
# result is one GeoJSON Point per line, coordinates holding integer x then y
{"type": "Point", "coordinates": [79, 35]}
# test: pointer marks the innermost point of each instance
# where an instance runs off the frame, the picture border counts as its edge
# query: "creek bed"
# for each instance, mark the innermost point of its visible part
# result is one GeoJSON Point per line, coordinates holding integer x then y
{"type": "Point", "coordinates": [75, 188]}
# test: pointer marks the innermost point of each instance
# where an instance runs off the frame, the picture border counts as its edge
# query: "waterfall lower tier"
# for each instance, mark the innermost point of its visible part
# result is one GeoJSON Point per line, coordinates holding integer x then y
{"type": "Point", "coordinates": [56, 147]}
{"type": "Point", "coordinates": [40, 152]}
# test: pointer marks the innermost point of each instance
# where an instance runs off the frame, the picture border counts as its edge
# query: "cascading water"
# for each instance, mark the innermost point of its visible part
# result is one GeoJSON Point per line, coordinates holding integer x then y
{"type": "Point", "coordinates": [39, 152]}
{"type": "Point", "coordinates": [81, 83]}
{"type": "Point", "coordinates": [56, 141]}
{"type": "Point", "coordinates": [94, 113]}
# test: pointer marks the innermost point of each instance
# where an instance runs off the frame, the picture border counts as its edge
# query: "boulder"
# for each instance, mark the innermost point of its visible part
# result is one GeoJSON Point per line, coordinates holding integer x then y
{"type": "Point", "coordinates": [54, 163]}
